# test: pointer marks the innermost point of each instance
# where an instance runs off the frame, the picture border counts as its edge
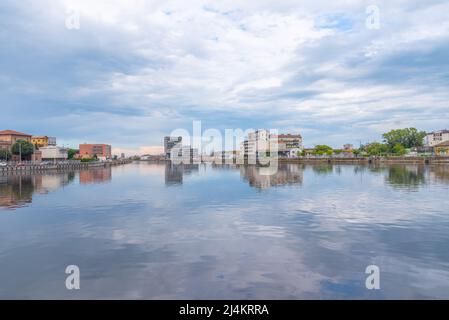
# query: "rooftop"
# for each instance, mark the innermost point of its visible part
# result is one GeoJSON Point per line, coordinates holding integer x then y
{"type": "Point", "coordinates": [15, 133]}
{"type": "Point", "coordinates": [442, 144]}
{"type": "Point", "coordinates": [289, 136]}
{"type": "Point", "coordinates": [439, 131]}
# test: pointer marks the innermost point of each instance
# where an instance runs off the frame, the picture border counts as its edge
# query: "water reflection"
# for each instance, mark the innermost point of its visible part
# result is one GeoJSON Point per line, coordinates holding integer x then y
{"type": "Point", "coordinates": [261, 177]}
{"type": "Point", "coordinates": [96, 175]}
{"type": "Point", "coordinates": [218, 237]}
{"type": "Point", "coordinates": [323, 169]}
{"type": "Point", "coordinates": [17, 190]}
{"type": "Point", "coordinates": [174, 173]}
{"type": "Point", "coordinates": [439, 173]}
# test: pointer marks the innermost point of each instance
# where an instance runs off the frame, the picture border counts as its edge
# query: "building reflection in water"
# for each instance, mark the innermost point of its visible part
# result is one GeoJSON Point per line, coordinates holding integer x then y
{"type": "Point", "coordinates": [262, 178]}
{"type": "Point", "coordinates": [439, 173]}
{"type": "Point", "coordinates": [17, 190]}
{"type": "Point", "coordinates": [97, 175]}
{"type": "Point", "coordinates": [174, 173]}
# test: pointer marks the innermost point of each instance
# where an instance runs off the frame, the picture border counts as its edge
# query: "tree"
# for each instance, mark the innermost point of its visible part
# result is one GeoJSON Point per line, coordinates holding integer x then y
{"type": "Point", "coordinates": [375, 149]}
{"type": "Point", "coordinates": [322, 150]}
{"type": "Point", "coordinates": [408, 137]}
{"type": "Point", "coordinates": [356, 152]}
{"type": "Point", "coordinates": [71, 153]}
{"type": "Point", "coordinates": [399, 149]}
{"type": "Point", "coordinates": [5, 154]}
{"type": "Point", "coordinates": [23, 147]}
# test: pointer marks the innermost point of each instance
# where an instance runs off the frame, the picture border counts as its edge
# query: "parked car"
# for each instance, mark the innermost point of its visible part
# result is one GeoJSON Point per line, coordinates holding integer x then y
{"type": "Point", "coordinates": [3, 164]}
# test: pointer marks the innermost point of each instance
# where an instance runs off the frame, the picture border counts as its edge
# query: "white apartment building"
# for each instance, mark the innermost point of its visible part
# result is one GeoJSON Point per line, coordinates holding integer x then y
{"type": "Point", "coordinates": [53, 153]}
{"type": "Point", "coordinates": [260, 143]}
{"type": "Point", "coordinates": [184, 154]}
{"type": "Point", "coordinates": [436, 137]}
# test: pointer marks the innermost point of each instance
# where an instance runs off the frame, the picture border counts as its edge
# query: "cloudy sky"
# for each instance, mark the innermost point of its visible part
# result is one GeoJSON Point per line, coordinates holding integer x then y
{"type": "Point", "coordinates": [136, 70]}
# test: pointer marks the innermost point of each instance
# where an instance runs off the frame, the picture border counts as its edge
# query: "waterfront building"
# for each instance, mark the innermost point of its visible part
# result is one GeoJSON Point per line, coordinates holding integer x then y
{"type": "Point", "coordinates": [170, 143]}
{"type": "Point", "coordinates": [188, 155]}
{"type": "Point", "coordinates": [226, 156]}
{"type": "Point", "coordinates": [9, 137]}
{"type": "Point", "coordinates": [308, 151]}
{"type": "Point", "coordinates": [442, 149]}
{"type": "Point", "coordinates": [244, 148]}
{"type": "Point", "coordinates": [288, 145]}
{"type": "Point", "coordinates": [348, 147]}
{"type": "Point", "coordinates": [53, 153]}
{"type": "Point", "coordinates": [43, 141]}
{"type": "Point", "coordinates": [436, 137]}
{"type": "Point", "coordinates": [256, 145]}
{"type": "Point", "coordinates": [146, 157]}
{"type": "Point", "coordinates": [261, 143]}
{"type": "Point", "coordinates": [101, 151]}
{"type": "Point", "coordinates": [39, 141]}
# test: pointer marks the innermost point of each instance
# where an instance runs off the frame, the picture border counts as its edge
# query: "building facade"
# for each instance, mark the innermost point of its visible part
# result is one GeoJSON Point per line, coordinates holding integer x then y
{"type": "Point", "coordinates": [53, 153]}
{"type": "Point", "coordinates": [442, 149]}
{"type": "Point", "coordinates": [436, 137]}
{"type": "Point", "coordinates": [262, 143]}
{"type": "Point", "coordinates": [100, 151]}
{"type": "Point", "coordinates": [43, 141]}
{"type": "Point", "coordinates": [190, 154]}
{"type": "Point", "coordinates": [9, 137]}
{"type": "Point", "coordinates": [184, 154]}
{"type": "Point", "coordinates": [288, 145]}
{"type": "Point", "coordinates": [170, 143]}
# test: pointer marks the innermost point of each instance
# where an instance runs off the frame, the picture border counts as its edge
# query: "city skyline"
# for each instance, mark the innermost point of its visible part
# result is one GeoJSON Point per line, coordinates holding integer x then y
{"type": "Point", "coordinates": [131, 73]}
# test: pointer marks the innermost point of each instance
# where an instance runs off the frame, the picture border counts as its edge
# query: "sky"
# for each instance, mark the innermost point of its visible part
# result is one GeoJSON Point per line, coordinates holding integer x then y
{"type": "Point", "coordinates": [130, 72]}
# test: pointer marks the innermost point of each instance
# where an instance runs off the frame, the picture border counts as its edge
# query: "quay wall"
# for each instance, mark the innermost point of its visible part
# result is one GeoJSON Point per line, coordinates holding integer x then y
{"type": "Point", "coordinates": [376, 160]}
{"type": "Point", "coordinates": [30, 168]}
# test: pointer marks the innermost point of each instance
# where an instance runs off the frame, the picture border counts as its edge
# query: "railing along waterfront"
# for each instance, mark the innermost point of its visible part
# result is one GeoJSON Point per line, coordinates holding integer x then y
{"type": "Point", "coordinates": [28, 166]}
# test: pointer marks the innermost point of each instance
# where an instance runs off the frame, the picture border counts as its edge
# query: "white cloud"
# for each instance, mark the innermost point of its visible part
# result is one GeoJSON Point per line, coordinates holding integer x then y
{"type": "Point", "coordinates": [152, 66]}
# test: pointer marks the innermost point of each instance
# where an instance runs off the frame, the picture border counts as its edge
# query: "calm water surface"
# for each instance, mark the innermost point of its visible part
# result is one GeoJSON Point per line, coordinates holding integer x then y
{"type": "Point", "coordinates": [209, 232]}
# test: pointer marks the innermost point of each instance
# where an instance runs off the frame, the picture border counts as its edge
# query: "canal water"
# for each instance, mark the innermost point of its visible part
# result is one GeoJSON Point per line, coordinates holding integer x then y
{"type": "Point", "coordinates": [157, 231]}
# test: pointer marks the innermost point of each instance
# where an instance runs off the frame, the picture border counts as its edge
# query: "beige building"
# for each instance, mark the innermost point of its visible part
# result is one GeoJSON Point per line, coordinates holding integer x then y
{"type": "Point", "coordinates": [261, 143]}
{"type": "Point", "coordinates": [436, 137]}
{"type": "Point", "coordinates": [9, 137]}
